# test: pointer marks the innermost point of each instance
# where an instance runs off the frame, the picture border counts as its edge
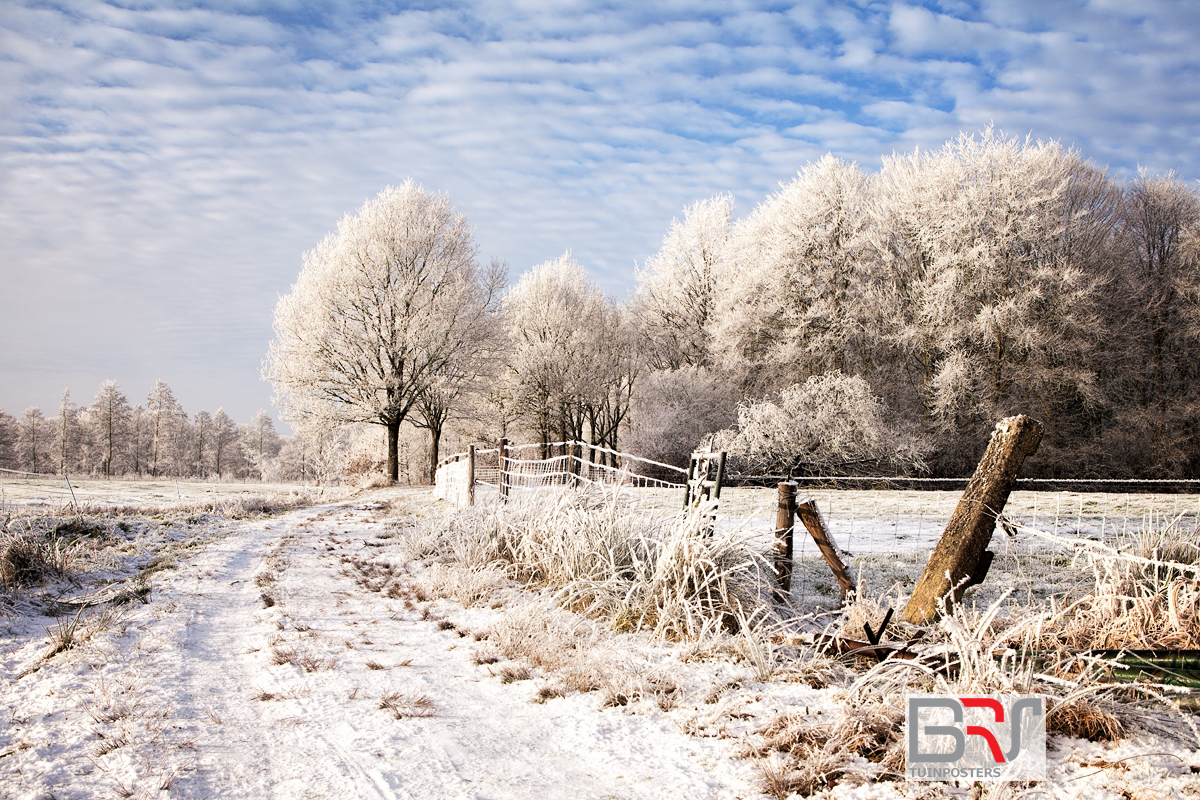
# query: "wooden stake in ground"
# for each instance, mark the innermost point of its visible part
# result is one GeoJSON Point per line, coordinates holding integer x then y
{"type": "Point", "coordinates": [785, 521]}
{"type": "Point", "coordinates": [504, 469]}
{"type": "Point", "coordinates": [961, 558]}
{"type": "Point", "coordinates": [811, 518]}
{"type": "Point", "coordinates": [470, 475]}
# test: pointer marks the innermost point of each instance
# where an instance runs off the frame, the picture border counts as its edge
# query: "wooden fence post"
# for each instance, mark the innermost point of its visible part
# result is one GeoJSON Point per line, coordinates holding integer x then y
{"type": "Point", "coordinates": [785, 521]}
{"type": "Point", "coordinates": [811, 517]}
{"type": "Point", "coordinates": [961, 557]}
{"type": "Point", "coordinates": [504, 469]}
{"type": "Point", "coordinates": [470, 475]}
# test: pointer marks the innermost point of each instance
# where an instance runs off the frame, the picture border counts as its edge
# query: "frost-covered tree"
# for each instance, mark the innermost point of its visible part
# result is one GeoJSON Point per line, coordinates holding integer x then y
{"type": "Point", "coordinates": [830, 424]}
{"type": "Point", "coordinates": [109, 420]}
{"type": "Point", "coordinates": [68, 436]}
{"type": "Point", "coordinates": [165, 419]}
{"type": "Point", "coordinates": [379, 310]}
{"type": "Point", "coordinates": [553, 314]}
{"type": "Point", "coordinates": [1157, 300]}
{"type": "Point", "coordinates": [793, 296]}
{"type": "Point", "coordinates": [987, 248]}
{"type": "Point", "coordinates": [224, 442]}
{"type": "Point", "coordinates": [8, 441]}
{"type": "Point", "coordinates": [33, 441]}
{"type": "Point", "coordinates": [201, 442]}
{"type": "Point", "coordinates": [573, 355]}
{"type": "Point", "coordinates": [261, 442]}
{"type": "Point", "coordinates": [675, 298]}
{"type": "Point", "coordinates": [676, 411]}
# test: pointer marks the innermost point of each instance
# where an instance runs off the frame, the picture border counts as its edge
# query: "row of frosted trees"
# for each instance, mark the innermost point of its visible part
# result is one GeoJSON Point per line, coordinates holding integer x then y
{"type": "Point", "coordinates": [112, 438]}
{"type": "Point", "coordinates": [911, 307]}
{"type": "Point", "coordinates": [990, 277]}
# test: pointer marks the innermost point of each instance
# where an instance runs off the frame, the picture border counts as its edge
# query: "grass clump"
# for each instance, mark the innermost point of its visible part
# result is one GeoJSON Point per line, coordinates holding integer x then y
{"type": "Point", "coordinates": [670, 574]}
{"type": "Point", "coordinates": [33, 556]}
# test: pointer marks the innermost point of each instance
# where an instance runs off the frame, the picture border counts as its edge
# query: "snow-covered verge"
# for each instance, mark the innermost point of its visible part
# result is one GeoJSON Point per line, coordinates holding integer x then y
{"type": "Point", "coordinates": [312, 654]}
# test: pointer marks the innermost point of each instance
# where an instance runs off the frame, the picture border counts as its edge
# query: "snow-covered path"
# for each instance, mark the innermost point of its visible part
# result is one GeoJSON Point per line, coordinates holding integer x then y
{"type": "Point", "coordinates": [189, 700]}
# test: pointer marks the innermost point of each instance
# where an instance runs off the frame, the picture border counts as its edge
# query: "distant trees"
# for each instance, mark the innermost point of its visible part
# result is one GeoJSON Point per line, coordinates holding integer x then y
{"type": "Point", "coordinates": [33, 441]}
{"type": "Point", "coordinates": [8, 441]}
{"type": "Point", "coordinates": [380, 310]}
{"type": "Point", "coordinates": [109, 418]}
{"type": "Point", "coordinates": [112, 439]}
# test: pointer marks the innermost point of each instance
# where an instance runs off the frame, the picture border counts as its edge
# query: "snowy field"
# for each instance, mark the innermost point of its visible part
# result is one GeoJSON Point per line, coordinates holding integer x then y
{"type": "Point", "coordinates": [53, 493]}
{"type": "Point", "coordinates": [300, 655]}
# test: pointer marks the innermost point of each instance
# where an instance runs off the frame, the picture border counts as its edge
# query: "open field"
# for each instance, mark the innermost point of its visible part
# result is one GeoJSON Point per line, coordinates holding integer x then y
{"type": "Point", "coordinates": [369, 647]}
{"type": "Point", "coordinates": [52, 493]}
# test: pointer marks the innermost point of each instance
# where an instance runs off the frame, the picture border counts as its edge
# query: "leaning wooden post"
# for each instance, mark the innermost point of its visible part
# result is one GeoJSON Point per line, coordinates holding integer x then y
{"type": "Point", "coordinates": [470, 475]}
{"type": "Point", "coordinates": [811, 517]}
{"type": "Point", "coordinates": [785, 521]}
{"type": "Point", "coordinates": [961, 558]}
{"type": "Point", "coordinates": [504, 469]}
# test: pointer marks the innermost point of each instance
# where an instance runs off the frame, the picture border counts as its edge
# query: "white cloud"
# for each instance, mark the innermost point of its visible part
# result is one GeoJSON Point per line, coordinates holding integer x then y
{"type": "Point", "coordinates": [164, 167]}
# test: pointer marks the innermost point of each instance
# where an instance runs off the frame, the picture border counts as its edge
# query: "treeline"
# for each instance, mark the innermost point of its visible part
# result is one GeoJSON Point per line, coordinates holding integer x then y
{"type": "Point", "coordinates": [991, 277]}
{"type": "Point", "coordinates": [906, 310]}
{"type": "Point", "coordinates": [111, 438]}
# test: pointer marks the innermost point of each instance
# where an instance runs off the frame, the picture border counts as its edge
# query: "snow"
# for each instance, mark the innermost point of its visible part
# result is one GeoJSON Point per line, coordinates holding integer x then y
{"type": "Point", "coordinates": [182, 696]}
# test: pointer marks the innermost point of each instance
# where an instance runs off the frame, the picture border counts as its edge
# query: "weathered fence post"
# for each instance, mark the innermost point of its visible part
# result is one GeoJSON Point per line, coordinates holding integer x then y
{"type": "Point", "coordinates": [785, 521]}
{"type": "Point", "coordinates": [961, 558]}
{"type": "Point", "coordinates": [811, 517]}
{"type": "Point", "coordinates": [504, 469]}
{"type": "Point", "coordinates": [470, 475]}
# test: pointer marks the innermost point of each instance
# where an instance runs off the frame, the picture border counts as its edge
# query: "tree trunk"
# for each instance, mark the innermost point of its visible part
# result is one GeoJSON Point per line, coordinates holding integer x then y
{"type": "Point", "coordinates": [435, 440]}
{"type": "Point", "coordinates": [393, 450]}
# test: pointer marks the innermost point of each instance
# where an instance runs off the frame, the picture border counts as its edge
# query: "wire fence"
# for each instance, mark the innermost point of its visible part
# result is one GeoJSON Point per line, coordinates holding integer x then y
{"type": "Point", "coordinates": [1045, 545]}
{"type": "Point", "coordinates": [533, 467]}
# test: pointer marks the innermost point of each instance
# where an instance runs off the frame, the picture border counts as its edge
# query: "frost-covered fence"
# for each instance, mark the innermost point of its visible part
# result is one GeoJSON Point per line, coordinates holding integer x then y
{"type": "Point", "coordinates": [517, 469]}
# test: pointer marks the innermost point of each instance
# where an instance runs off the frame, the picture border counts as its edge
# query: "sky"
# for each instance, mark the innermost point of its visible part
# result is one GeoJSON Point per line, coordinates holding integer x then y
{"type": "Point", "coordinates": [165, 165]}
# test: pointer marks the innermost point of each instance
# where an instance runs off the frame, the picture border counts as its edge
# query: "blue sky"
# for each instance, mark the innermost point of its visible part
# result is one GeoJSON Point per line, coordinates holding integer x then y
{"type": "Point", "coordinates": [164, 165]}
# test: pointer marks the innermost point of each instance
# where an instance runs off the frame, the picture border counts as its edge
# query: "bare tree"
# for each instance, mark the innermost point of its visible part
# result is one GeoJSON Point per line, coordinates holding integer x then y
{"type": "Point", "coordinates": [224, 441]}
{"type": "Point", "coordinates": [165, 416]}
{"type": "Point", "coordinates": [380, 309]}
{"type": "Point", "coordinates": [109, 416]}
{"type": "Point", "coordinates": [8, 441]}
{"type": "Point", "coordinates": [33, 441]}
{"type": "Point", "coordinates": [68, 435]}
{"type": "Point", "coordinates": [1159, 294]}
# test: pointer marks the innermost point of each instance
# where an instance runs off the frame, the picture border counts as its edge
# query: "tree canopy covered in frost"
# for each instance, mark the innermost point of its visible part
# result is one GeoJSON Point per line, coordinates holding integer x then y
{"type": "Point", "coordinates": [391, 305]}
{"type": "Point", "coordinates": [832, 424]}
{"type": "Point", "coordinates": [852, 320]}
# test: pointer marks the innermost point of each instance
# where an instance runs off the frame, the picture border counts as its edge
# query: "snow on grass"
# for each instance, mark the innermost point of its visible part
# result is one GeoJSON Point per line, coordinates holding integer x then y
{"type": "Point", "coordinates": [367, 648]}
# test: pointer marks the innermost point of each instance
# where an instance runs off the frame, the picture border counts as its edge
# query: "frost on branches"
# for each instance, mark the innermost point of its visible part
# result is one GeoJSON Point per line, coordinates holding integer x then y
{"type": "Point", "coordinates": [392, 305]}
{"type": "Point", "coordinates": [831, 424]}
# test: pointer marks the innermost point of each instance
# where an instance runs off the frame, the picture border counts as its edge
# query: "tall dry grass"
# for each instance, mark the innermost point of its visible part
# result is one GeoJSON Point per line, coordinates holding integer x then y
{"type": "Point", "coordinates": [600, 556]}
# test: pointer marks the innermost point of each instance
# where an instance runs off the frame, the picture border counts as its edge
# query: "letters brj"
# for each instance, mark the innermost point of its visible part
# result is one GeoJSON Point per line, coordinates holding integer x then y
{"type": "Point", "coordinates": [1000, 737]}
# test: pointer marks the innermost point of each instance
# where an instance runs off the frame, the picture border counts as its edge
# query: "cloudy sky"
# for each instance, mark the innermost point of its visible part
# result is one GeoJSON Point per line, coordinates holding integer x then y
{"type": "Point", "coordinates": [164, 165]}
